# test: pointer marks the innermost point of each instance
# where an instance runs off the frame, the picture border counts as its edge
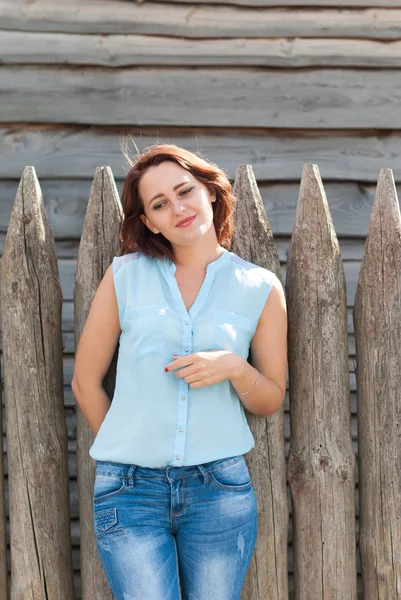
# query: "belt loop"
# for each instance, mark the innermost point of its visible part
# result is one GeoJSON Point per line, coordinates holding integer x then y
{"type": "Point", "coordinates": [204, 473]}
{"type": "Point", "coordinates": [130, 475]}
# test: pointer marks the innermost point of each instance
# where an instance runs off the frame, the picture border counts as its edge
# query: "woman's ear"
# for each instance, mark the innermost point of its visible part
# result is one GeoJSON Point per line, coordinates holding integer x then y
{"type": "Point", "coordinates": [145, 220]}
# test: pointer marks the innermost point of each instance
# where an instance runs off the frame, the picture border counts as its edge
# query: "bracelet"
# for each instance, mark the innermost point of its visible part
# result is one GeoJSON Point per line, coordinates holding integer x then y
{"type": "Point", "coordinates": [257, 379]}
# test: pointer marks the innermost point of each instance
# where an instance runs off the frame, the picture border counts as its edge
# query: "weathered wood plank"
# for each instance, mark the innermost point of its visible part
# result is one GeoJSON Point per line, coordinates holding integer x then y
{"type": "Point", "coordinates": [320, 99]}
{"type": "Point", "coordinates": [73, 151]}
{"type": "Point", "coordinates": [66, 202]}
{"type": "Point", "coordinates": [351, 249]}
{"type": "Point", "coordinates": [286, 3]}
{"type": "Point", "coordinates": [23, 47]}
{"type": "Point", "coordinates": [202, 21]}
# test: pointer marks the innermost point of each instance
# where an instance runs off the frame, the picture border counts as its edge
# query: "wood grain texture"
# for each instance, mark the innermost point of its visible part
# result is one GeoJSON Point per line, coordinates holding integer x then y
{"type": "Point", "coordinates": [25, 47]}
{"type": "Point", "coordinates": [33, 383]}
{"type": "Point", "coordinates": [199, 21]}
{"type": "Point", "coordinates": [377, 322]}
{"type": "Point", "coordinates": [321, 465]}
{"type": "Point", "coordinates": [320, 99]}
{"type": "Point", "coordinates": [267, 573]}
{"type": "Point", "coordinates": [60, 151]}
{"type": "Point", "coordinates": [99, 243]}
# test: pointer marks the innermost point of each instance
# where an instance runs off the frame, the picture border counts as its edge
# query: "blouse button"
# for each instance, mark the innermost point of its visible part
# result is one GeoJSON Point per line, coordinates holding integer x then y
{"type": "Point", "coordinates": [186, 349]}
{"type": "Point", "coordinates": [186, 322]}
{"type": "Point", "coordinates": [177, 457]}
{"type": "Point", "coordinates": [182, 397]}
{"type": "Point", "coordinates": [180, 428]}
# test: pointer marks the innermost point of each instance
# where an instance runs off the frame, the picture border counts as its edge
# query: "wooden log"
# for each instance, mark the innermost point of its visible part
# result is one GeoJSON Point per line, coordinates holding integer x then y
{"type": "Point", "coordinates": [99, 243]}
{"type": "Point", "coordinates": [73, 152]}
{"type": "Point", "coordinates": [321, 466]}
{"type": "Point", "coordinates": [267, 573]}
{"type": "Point", "coordinates": [320, 99]}
{"type": "Point", "coordinates": [25, 47]}
{"type": "Point", "coordinates": [33, 383]}
{"type": "Point", "coordinates": [377, 322]}
{"type": "Point", "coordinates": [102, 16]}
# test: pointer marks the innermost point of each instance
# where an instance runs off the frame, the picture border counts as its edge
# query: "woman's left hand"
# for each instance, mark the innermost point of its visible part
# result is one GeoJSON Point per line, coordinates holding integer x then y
{"type": "Point", "coordinates": [206, 368]}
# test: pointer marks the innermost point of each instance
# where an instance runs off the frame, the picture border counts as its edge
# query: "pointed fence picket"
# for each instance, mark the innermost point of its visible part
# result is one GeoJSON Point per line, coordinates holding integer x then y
{"type": "Point", "coordinates": [99, 243]}
{"type": "Point", "coordinates": [377, 325]}
{"type": "Point", "coordinates": [37, 455]}
{"type": "Point", "coordinates": [321, 466]}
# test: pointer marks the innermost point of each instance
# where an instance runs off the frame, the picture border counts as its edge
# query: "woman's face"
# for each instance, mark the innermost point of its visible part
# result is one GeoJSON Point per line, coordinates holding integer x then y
{"type": "Point", "coordinates": [170, 194]}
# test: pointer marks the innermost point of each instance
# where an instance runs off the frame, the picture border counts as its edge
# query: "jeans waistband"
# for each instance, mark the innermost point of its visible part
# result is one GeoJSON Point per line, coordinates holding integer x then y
{"type": "Point", "coordinates": [126, 470]}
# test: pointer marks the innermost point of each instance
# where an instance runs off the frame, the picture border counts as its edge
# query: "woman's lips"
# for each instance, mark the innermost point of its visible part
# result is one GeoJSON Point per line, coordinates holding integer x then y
{"type": "Point", "coordinates": [186, 222]}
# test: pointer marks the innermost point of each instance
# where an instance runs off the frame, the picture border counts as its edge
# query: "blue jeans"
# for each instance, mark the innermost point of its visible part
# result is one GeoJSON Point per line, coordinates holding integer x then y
{"type": "Point", "coordinates": [175, 532]}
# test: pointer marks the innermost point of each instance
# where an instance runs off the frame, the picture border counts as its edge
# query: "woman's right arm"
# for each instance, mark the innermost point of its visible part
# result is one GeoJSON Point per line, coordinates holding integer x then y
{"type": "Point", "coordinates": [95, 352]}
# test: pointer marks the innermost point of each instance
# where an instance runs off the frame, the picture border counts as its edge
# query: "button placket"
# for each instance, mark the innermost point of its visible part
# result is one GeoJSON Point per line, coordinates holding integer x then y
{"type": "Point", "coordinates": [187, 343]}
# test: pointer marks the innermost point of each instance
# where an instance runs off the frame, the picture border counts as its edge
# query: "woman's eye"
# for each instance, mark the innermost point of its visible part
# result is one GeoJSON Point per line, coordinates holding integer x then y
{"type": "Point", "coordinates": [156, 206]}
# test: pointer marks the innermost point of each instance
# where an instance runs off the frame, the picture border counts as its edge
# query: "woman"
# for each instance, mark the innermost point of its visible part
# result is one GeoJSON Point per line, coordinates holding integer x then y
{"type": "Point", "coordinates": [174, 509]}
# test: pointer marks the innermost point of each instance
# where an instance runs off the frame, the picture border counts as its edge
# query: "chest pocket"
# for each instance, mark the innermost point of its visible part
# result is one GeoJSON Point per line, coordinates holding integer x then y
{"type": "Point", "coordinates": [144, 330]}
{"type": "Point", "coordinates": [231, 332]}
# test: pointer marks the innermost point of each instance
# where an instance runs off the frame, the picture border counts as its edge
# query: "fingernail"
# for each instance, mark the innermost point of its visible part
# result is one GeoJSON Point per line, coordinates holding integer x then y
{"type": "Point", "coordinates": [166, 370]}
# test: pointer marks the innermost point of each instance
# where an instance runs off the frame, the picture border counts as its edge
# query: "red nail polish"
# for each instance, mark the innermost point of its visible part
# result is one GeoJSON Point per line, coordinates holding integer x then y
{"type": "Point", "coordinates": [166, 370]}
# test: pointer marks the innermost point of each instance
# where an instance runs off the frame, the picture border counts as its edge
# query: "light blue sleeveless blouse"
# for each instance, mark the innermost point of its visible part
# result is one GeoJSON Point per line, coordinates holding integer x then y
{"type": "Point", "coordinates": [155, 419]}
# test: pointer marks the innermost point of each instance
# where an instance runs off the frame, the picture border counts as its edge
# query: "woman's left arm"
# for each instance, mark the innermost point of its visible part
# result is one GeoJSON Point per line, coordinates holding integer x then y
{"type": "Point", "coordinates": [269, 358]}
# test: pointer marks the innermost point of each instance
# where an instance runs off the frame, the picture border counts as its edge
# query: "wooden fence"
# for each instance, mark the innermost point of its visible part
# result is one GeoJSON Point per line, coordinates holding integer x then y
{"type": "Point", "coordinates": [322, 462]}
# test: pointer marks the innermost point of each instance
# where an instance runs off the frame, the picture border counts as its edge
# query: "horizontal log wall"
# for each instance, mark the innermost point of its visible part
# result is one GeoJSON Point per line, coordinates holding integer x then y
{"type": "Point", "coordinates": [262, 82]}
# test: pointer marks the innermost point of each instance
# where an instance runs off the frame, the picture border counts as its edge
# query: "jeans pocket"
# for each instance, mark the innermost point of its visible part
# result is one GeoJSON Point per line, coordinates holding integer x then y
{"type": "Point", "coordinates": [234, 476]}
{"type": "Point", "coordinates": [105, 522]}
{"type": "Point", "coordinates": [107, 486]}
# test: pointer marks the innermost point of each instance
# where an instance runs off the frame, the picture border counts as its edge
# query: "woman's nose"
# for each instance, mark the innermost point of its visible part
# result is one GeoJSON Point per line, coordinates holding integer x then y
{"type": "Point", "coordinates": [179, 207]}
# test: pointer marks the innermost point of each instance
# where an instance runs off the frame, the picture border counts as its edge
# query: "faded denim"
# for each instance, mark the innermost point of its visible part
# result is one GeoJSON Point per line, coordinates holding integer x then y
{"type": "Point", "coordinates": [175, 533]}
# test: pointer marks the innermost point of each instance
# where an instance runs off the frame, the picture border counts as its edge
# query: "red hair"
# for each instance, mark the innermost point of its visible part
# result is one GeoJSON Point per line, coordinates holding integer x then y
{"type": "Point", "coordinates": [134, 234]}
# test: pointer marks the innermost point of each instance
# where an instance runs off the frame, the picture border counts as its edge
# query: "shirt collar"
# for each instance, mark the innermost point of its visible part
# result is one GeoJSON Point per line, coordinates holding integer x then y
{"type": "Point", "coordinates": [170, 267]}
